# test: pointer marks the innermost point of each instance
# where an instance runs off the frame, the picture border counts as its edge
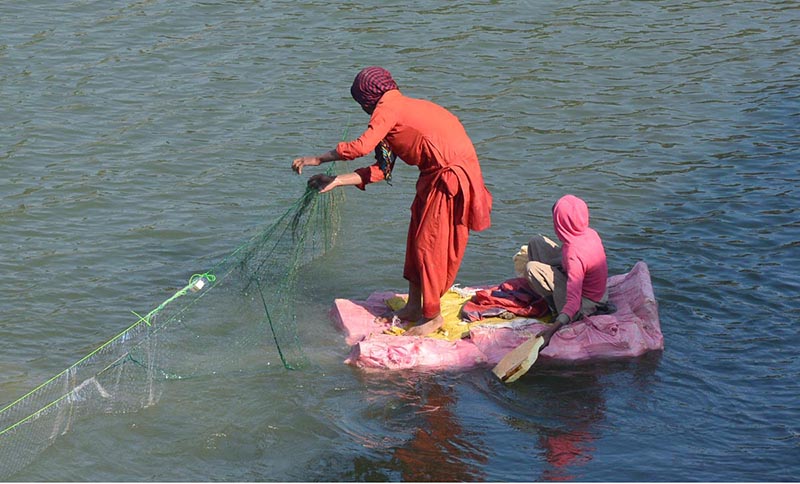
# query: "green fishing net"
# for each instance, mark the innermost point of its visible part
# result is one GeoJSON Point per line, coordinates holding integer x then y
{"type": "Point", "coordinates": [245, 304]}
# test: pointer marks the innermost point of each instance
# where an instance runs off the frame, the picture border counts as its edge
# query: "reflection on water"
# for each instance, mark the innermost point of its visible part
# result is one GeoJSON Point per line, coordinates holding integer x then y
{"type": "Point", "coordinates": [550, 420]}
{"type": "Point", "coordinates": [563, 410]}
{"type": "Point", "coordinates": [571, 445]}
{"type": "Point", "coordinates": [438, 444]}
{"type": "Point", "coordinates": [438, 449]}
{"type": "Point", "coordinates": [579, 411]}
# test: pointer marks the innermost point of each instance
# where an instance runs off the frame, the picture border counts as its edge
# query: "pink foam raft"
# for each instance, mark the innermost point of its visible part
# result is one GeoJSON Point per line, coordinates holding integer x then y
{"type": "Point", "coordinates": [631, 331]}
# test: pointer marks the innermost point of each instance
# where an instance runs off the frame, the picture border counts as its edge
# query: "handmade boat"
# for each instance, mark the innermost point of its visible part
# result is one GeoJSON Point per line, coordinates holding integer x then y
{"type": "Point", "coordinates": [634, 329]}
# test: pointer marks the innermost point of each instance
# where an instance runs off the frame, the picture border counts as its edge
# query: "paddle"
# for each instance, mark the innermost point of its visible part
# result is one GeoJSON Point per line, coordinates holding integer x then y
{"type": "Point", "coordinates": [518, 361]}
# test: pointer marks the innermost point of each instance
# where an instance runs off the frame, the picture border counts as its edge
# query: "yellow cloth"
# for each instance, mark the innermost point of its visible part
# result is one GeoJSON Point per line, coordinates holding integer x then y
{"type": "Point", "coordinates": [453, 328]}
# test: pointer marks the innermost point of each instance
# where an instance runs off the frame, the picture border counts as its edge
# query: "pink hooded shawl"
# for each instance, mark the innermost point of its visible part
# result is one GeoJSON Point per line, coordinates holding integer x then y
{"type": "Point", "coordinates": [582, 253]}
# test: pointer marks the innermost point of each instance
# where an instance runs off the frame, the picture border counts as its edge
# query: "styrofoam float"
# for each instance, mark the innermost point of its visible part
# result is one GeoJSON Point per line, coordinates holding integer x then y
{"type": "Point", "coordinates": [631, 331]}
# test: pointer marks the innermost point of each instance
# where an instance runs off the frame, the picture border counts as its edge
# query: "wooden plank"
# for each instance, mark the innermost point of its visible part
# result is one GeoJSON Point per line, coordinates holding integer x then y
{"type": "Point", "coordinates": [518, 361]}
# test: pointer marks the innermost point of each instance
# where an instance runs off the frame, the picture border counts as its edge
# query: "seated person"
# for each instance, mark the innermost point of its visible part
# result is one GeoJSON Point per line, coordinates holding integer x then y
{"type": "Point", "coordinates": [572, 278]}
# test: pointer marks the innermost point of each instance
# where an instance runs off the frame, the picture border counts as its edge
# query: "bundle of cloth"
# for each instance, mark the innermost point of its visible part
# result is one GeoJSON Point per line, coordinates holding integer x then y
{"type": "Point", "coordinates": [513, 298]}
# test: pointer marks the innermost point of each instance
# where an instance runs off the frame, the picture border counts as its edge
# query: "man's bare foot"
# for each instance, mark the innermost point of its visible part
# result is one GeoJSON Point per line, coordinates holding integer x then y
{"type": "Point", "coordinates": [403, 314]}
{"type": "Point", "coordinates": [426, 327]}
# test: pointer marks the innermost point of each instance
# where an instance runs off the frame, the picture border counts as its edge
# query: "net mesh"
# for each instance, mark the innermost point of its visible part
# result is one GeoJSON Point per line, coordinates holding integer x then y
{"type": "Point", "coordinates": [248, 302]}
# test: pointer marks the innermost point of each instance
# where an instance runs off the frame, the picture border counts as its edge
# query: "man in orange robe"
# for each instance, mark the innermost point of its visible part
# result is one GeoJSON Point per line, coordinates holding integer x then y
{"type": "Point", "coordinates": [451, 198]}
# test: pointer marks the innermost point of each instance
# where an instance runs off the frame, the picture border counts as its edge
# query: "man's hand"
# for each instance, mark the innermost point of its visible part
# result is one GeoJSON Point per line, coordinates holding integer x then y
{"type": "Point", "coordinates": [299, 163]}
{"type": "Point", "coordinates": [322, 183]}
{"type": "Point", "coordinates": [548, 332]}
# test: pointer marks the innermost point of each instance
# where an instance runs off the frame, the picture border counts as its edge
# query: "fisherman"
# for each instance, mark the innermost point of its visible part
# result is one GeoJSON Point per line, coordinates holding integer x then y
{"type": "Point", "coordinates": [572, 278]}
{"type": "Point", "coordinates": [451, 198]}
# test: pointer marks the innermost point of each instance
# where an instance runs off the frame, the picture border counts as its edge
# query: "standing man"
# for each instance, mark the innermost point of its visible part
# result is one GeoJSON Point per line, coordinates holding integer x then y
{"type": "Point", "coordinates": [451, 198]}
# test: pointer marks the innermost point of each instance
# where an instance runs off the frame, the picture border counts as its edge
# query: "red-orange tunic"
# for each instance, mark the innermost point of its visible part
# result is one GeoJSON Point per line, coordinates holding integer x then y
{"type": "Point", "coordinates": [451, 197]}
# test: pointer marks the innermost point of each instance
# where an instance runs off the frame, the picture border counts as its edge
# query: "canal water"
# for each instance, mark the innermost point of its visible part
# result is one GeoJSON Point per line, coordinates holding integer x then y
{"type": "Point", "coordinates": [141, 141]}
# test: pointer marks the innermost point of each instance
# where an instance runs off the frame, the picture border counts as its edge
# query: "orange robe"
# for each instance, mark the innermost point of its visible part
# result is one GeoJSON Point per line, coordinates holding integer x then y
{"type": "Point", "coordinates": [451, 198]}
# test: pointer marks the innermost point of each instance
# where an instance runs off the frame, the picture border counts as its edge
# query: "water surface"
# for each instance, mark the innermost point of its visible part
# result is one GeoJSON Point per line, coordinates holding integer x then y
{"type": "Point", "coordinates": [141, 141]}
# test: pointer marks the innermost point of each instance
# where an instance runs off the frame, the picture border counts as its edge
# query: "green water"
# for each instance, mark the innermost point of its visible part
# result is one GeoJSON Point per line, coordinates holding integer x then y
{"type": "Point", "coordinates": [142, 141]}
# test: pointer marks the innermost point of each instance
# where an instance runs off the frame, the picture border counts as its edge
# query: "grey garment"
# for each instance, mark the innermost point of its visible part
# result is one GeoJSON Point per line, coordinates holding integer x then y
{"type": "Point", "coordinates": [547, 278]}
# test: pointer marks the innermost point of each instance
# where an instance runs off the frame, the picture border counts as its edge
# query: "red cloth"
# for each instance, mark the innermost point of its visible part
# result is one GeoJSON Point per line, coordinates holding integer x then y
{"type": "Point", "coordinates": [514, 296]}
{"type": "Point", "coordinates": [451, 197]}
{"type": "Point", "coordinates": [369, 85]}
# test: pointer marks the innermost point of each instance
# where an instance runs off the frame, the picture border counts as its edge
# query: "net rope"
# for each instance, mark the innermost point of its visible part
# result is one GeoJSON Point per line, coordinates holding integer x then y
{"type": "Point", "coordinates": [248, 312]}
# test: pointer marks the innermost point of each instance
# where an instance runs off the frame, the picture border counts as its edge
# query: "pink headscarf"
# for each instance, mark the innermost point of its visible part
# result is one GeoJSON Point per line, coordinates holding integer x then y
{"type": "Point", "coordinates": [570, 218]}
{"type": "Point", "coordinates": [369, 85]}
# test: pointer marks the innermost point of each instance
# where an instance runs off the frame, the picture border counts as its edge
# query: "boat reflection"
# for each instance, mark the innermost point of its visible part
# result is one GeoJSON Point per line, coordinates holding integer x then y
{"type": "Point", "coordinates": [419, 431]}
{"type": "Point", "coordinates": [571, 413]}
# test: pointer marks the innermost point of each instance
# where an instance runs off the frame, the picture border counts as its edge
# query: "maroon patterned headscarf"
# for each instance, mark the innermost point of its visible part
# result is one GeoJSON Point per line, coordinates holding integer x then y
{"type": "Point", "coordinates": [369, 85]}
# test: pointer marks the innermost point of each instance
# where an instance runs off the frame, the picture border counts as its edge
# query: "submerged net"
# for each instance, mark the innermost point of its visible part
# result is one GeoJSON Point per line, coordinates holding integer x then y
{"type": "Point", "coordinates": [247, 311]}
